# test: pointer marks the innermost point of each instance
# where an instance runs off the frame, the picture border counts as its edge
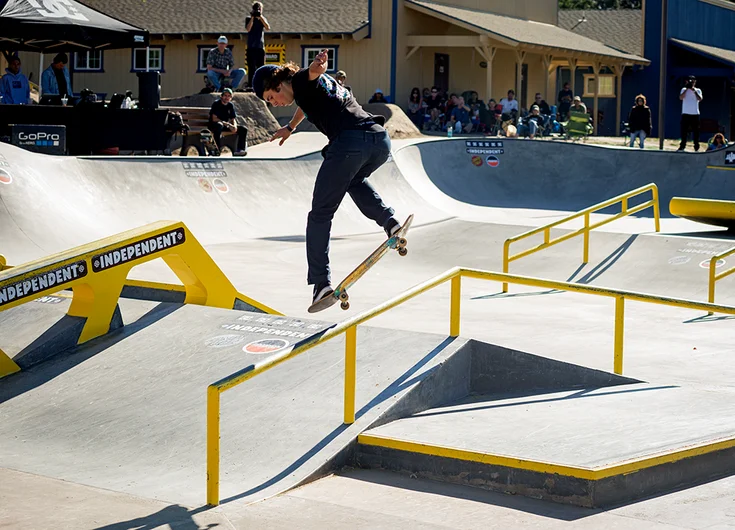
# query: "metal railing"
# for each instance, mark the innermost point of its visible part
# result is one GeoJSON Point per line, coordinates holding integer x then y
{"type": "Point", "coordinates": [349, 327]}
{"type": "Point", "coordinates": [585, 230]}
{"type": "Point", "coordinates": [713, 276]}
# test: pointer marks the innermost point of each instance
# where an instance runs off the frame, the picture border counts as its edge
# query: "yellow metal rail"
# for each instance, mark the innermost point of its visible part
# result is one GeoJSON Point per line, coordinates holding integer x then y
{"type": "Point", "coordinates": [625, 210]}
{"type": "Point", "coordinates": [713, 276]}
{"type": "Point", "coordinates": [349, 327]}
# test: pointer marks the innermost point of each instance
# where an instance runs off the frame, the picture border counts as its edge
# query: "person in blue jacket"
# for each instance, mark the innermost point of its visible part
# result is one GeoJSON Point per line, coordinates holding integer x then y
{"type": "Point", "coordinates": [55, 80]}
{"type": "Point", "coordinates": [14, 86]}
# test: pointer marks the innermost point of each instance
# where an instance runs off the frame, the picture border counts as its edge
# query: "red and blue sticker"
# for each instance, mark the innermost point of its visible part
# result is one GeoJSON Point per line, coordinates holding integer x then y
{"type": "Point", "coordinates": [492, 161]}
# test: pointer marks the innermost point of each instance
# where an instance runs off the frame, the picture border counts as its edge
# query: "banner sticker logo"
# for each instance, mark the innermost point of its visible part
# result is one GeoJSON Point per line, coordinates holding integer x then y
{"type": "Point", "coordinates": [262, 346]}
{"type": "Point", "coordinates": [5, 177]}
{"type": "Point", "coordinates": [730, 158]}
{"type": "Point", "coordinates": [31, 285]}
{"type": "Point", "coordinates": [220, 185]}
{"type": "Point", "coordinates": [493, 161]}
{"type": "Point", "coordinates": [139, 249]}
{"type": "Point", "coordinates": [477, 160]}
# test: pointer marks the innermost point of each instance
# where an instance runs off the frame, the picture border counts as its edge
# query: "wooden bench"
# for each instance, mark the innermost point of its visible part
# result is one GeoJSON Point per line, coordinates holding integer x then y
{"type": "Point", "coordinates": [197, 118]}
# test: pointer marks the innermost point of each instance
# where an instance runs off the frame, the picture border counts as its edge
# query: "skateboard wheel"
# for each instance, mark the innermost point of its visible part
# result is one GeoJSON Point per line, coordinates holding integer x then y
{"type": "Point", "coordinates": [402, 251]}
{"type": "Point", "coordinates": [402, 242]}
{"type": "Point", "coordinates": [344, 296]}
{"type": "Point", "coordinates": [345, 305]}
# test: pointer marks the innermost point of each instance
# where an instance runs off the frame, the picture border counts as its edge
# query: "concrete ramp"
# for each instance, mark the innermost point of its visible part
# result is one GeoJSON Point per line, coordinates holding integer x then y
{"type": "Point", "coordinates": [126, 412]}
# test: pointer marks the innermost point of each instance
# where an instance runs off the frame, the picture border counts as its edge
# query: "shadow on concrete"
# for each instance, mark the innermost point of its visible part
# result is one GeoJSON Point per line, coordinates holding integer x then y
{"type": "Point", "coordinates": [175, 517]}
{"type": "Point", "coordinates": [21, 382]}
{"type": "Point", "coordinates": [404, 381]}
{"type": "Point", "coordinates": [577, 395]}
{"type": "Point", "coordinates": [709, 318]}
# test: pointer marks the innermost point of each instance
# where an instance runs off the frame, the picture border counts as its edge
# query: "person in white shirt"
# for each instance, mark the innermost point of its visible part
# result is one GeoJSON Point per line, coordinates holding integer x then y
{"type": "Point", "coordinates": [510, 105]}
{"type": "Point", "coordinates": [690, 97]}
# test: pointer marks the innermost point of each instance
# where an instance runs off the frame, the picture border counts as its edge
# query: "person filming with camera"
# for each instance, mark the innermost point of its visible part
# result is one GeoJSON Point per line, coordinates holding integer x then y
{"type": "Point", "coordinates": [690, 97]}
{"type": "Point", "coordinates": [256, 25]}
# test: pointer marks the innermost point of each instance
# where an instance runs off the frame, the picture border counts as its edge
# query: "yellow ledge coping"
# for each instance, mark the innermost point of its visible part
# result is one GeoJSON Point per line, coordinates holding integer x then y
{"type": "Point", "coordinates": [586, 473]}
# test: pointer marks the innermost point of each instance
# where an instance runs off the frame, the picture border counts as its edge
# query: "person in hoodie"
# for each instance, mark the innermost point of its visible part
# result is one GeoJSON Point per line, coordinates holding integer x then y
{"type": "Point", "coordinates": [55, 80]}
{"type": "Point", "coordinates": [639, 121]}
{"type": "Point", "coordinates": [14, 87]}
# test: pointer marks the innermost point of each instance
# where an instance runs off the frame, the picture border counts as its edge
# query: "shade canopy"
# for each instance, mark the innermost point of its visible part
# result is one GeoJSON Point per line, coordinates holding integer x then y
{"type": "Point", "coordinates": [56, 25]}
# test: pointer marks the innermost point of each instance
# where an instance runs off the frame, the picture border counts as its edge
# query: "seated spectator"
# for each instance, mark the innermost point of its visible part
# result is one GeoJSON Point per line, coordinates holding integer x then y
{"type": "Point", "coordinates": [425, 94]}
{"type": "Point", "coordinates": [578, 106]}
{"type": "Point", "coordinates": [510, 105]}
{"type": "Point", "coordinates": [14, 86]}
{"type": "Point", "coordinates": [55, 80]}
{"type": "Point", "coordinates": [415, 109]}
{"type": "Point", "coordinates": [222, 116]}
{"type": "Point", "coordinates": [718, 142]}
{"type": "Point", "coordinates": [221, 67]}
{"type": "Point", "coordinates": [565, 101]}
{"type": "Point", "coordinates": [542, 105]}
{"type": "Point", "coordinates": [451, 103]}
{"type": "Point", "coordinates": [460, 119]}
{"type": "Point", "coordinates": [532, 123]}
{"type": "Point", "coordinates": [434, 104]}
{"type": "Point", "coordinates": [341, 78]}
{"type": "Point", "coordinates": [378, 97]}
{"type": "Point", "coordinates": [639, 121]}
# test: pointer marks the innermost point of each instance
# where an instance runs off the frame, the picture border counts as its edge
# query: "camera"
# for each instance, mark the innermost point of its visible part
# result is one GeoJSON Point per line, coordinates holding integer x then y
{"type": "Point", "coordinates": [256, 12]}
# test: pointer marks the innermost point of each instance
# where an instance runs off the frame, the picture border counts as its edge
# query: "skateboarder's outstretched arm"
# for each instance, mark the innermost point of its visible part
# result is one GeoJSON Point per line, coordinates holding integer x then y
{"type": "Point", "coordinates": [319, 65]}
{"type": "Point", "coordinates": [284, 132]}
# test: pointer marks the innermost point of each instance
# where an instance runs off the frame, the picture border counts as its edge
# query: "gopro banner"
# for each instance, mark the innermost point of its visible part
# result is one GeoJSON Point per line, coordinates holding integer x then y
{"type": "Point", "coordinates": [48, 139]}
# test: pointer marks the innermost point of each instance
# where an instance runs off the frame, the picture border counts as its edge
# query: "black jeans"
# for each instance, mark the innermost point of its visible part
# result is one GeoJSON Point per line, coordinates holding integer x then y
{"type": "Point", "coordinates": [256, 59]}
{"type": "Point", "coordinates": [242, 135]}
{"type": "Point", "coordinates": [349, 160]}
{"type": "Point", "coordinates": [689, 121]}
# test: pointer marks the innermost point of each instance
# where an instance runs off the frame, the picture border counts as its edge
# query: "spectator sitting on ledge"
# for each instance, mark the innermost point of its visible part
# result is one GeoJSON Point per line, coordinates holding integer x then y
{"type": "Point", "coordinates": [222, 116]}
{"type": "Point", "coordinates": [220, 66]}
{"type": "Point", "coordinates": [378, 97]}
{"type": "Point", "coordinates": [718, 142]}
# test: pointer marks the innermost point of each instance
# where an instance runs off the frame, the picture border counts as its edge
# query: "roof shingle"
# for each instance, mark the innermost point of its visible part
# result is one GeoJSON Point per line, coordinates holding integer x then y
{"type": "Point", "coordinates": [617, 28]}
{"type": "Point", "coordinates": [525, 31]}
{"type": "Point", "coordinates": [215, 16]}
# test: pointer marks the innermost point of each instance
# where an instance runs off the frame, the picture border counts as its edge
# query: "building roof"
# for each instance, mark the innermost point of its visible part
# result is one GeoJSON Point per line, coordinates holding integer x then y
{"type": "Point", "coordinates": [215, 16]}
{"type": "Point", "coordinates": [719, 54]}
{"type": "Point", "coordinates": [617, 28]}
{"type": "Point", "coordinates": [518, 31]}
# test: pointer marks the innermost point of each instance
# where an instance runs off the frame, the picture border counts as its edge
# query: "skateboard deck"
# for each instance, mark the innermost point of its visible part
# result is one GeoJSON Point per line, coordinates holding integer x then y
{"type": "Point", "coordinates": [208, 143]}
{"type": "Point", "coordinates": [397, 241]}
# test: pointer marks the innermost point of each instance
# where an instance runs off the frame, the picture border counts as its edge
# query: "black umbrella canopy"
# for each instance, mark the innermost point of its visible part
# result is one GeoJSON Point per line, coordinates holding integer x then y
{"type": "Point", "coordinates": [56, 25]}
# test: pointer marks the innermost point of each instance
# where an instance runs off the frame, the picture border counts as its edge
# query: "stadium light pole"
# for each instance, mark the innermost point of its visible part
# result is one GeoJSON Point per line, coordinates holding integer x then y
{"type": "Point", "coordinates": [662, 72]}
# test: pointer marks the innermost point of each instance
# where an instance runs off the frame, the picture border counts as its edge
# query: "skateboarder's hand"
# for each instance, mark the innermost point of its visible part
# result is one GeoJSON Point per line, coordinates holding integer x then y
{"type": "Point", "coordinates": [283, 133]}
{"type": "Point", "coordinates": [319, 65]}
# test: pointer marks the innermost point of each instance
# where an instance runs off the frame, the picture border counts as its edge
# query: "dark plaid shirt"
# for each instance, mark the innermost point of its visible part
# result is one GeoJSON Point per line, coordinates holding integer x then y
{"type": "Point", "coordinates": [225, 61]}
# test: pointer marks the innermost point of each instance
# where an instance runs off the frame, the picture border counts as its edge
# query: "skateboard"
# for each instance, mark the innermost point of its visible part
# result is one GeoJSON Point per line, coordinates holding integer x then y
{"type": "Point", "coordinates": [209, 147]}
{"type": "Point", "coordinates": [397, 241]}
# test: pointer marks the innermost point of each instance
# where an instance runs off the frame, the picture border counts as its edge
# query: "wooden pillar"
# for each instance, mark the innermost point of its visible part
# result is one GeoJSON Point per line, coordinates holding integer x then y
{"type": "Point", "coordinates": [489, 53]}
{"type": "Point", "coordinates": [520, 57]}
{"type": "Point", "coordinates": [573, 70]}
{"type": "Point", "coordinates": [596, 105]}
{"type": "Point", "coordinates": [618, 70]}
{"type": "Point", "coordinates": [547, 70]}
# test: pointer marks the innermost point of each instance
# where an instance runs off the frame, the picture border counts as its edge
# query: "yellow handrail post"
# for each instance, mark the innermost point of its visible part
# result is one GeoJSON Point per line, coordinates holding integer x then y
{"type": "Point", "coordinates": [712, 280]}
{"type": "Point", "coordinates": [586, 256]}
{"type": "Point", "coordinates": [506, 254]}
{"type": "Point", "coordinates": [454, 309]}
{"type": "Point", "coordinates": [350, 374]}
{"type": "Point", "coordinates": [213, 445]}
{"type": "Point", "coordinates": [656, 208]}
{"type": "Point", "coordinates": [619, 332]}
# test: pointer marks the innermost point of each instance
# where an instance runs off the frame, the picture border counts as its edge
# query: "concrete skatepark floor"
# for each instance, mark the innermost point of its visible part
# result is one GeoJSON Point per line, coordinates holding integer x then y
{"type": "Point", "coordinates": [254, 232]}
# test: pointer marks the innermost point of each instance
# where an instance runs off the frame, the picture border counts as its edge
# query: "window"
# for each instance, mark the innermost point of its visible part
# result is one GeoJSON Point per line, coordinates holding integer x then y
{"type": "Point", "coordinates": [155, 59]}
{"type": "Point", "coordinates": [89, 61]}
{"type": "Point", "coordinates": [607, 86]}
{"type": "Point", "coordinates": [309, 52]}
{"type": "Point", "coordinates": [202, 52]}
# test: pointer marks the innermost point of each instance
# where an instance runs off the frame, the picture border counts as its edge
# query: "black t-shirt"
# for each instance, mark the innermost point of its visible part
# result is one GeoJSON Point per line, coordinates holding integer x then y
{"type": "Point", "coordinates": [544, 107]}
{"type": "Point", "coordinates": [256, 38]}
{"type": "Point", "coordinates": [222, 111]}
{"type": "Point", "coordinates": [434, 103]}
{"type": "Point", "coordinates": [61, 81]}
{"type": "Point", "coordinates": [329, 105]}
{"type": "Point", "coordinates": [566, 94]}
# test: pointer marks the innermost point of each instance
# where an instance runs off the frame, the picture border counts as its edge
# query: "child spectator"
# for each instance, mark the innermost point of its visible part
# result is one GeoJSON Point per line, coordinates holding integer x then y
{"type": "Point", "coordinates": [377, 97]}
{"type": "Point", "coordinates": [639, 121]}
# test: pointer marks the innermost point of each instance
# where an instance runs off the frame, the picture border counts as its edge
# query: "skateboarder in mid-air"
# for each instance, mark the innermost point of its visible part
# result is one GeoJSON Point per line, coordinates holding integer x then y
{"type": "Point", "coordinates": [358, 145]}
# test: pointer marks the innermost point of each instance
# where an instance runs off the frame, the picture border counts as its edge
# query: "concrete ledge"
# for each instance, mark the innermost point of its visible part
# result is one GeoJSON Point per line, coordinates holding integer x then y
{"type": "Point", "coordinates": [599, 487]}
